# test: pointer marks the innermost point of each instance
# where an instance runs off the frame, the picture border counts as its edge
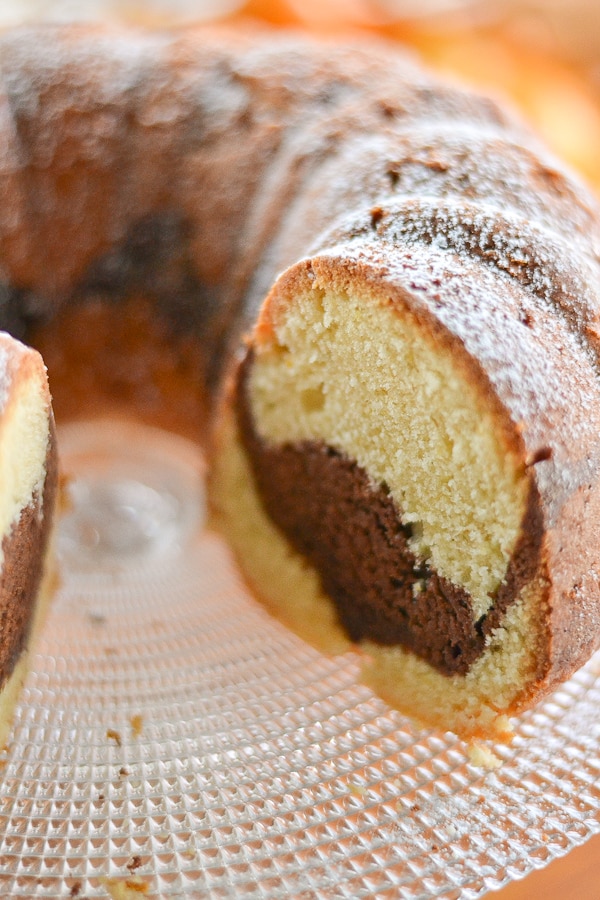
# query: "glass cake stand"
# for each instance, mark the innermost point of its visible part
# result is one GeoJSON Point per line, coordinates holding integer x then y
{"type": "Point", "coordinates": [174, 741]}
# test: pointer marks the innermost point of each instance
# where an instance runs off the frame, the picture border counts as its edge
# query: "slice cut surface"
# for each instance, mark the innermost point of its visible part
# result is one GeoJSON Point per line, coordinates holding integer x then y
{"type": "Point", "coordinates": [368, 382]}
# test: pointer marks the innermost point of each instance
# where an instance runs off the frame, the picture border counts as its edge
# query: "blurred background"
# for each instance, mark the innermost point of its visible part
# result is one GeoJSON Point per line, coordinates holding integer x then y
{"type": "Point", "coordinates": [544, 55]}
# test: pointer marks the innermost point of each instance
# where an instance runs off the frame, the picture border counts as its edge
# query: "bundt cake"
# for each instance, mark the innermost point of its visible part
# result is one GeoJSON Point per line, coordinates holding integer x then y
{"type": "Point", "coordinates": [382, 296]}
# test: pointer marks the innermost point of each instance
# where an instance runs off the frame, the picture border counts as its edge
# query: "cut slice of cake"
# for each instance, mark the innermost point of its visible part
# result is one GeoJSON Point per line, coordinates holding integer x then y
{"type": "Point", "coordinates": [28, 473]}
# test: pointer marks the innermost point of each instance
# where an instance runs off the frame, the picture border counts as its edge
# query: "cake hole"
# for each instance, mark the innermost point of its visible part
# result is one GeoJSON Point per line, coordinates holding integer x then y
{"type": "Point", "coordinates": [312, 399]}
{"type": "Point", "coordinates": [540, 455]}
{"type": "Point", "coordinates": [282, 350]}
{"type": "Point", "coordinates": [390, 111]}
{"type": "Point", "coordinates": [377, 215]}
{"type": "Point", "coordinates": [393, 175]}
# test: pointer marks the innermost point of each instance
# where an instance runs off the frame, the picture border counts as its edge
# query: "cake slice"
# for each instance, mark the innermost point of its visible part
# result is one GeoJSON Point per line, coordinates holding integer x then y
{"type": "Point", "coordinates": [28, 473]}
{"type": "Point", "coordinates": [408, 464]}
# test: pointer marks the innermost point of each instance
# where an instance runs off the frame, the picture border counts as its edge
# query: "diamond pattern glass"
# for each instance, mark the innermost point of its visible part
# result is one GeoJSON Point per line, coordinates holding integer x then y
{"type": "Point", "coordinates": [172, 740]}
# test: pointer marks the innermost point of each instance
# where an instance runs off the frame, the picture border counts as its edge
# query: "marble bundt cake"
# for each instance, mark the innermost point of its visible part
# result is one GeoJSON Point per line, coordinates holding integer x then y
{"type": "Point", "coordinates": [381, 295]}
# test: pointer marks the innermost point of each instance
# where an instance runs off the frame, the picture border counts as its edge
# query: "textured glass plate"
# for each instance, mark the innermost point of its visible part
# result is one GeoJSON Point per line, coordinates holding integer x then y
{"type": "Point", "coordinates": [173, 740]}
